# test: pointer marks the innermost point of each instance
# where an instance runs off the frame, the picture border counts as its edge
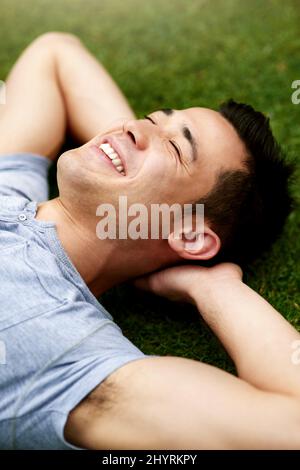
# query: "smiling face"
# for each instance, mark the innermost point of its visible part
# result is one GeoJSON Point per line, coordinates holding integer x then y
{"type": "Point", "coordinates": [171, 156]}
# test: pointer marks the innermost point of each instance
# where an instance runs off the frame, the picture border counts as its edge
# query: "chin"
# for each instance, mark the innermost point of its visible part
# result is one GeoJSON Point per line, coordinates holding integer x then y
{"type": "Point", "coordinates": [70, 178]}
{"type": "Point", "coordinates": [69, 167]}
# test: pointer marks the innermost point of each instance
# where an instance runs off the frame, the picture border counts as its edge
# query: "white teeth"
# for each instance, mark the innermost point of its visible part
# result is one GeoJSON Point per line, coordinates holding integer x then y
{"type": "Point", "coordinates": [110, 152]}
{"type": "Point", "coordinates": [113, 156]}
{"type": "Point", "coordinates": [107, 148]}
{"type": "Point", "coordinates": [116, 162]}
{"type": "Point", "coordinates": [120, 169]}
{"type": "Point", "coordinates": [118, 166]}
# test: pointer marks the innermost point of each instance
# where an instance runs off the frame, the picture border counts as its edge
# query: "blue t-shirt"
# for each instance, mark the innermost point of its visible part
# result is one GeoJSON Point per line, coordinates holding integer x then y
{"type": "Point", "coordinates": [57, 343]}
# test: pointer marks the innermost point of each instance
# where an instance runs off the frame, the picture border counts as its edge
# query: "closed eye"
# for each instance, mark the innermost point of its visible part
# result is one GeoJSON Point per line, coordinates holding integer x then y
{"type": "Point", "coordinates": [177, 149]}
{"type": "Point", "coordinates": [149, 119]}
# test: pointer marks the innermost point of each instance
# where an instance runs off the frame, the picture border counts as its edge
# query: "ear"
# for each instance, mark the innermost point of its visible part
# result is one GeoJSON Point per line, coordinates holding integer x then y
{"type": "Point", "coordinates": [202, 246]}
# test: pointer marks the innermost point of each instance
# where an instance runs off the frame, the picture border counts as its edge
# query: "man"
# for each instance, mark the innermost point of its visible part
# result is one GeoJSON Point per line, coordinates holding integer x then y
{"type": "Point", "coordinates": [71, 379]}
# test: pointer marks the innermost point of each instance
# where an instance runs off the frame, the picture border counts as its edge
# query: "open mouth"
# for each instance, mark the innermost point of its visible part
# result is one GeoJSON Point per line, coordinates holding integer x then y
{"type": "Point", "coordinates": [114, 157]}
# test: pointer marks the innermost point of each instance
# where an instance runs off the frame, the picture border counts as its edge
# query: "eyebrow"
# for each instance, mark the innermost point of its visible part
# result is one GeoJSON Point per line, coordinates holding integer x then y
{"type": "Point", "coordinates": [185, 132]}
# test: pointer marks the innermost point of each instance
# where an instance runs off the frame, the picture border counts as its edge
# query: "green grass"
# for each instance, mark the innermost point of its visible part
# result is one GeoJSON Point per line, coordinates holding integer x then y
{"type": "Point", "coordinates": [181, 53]}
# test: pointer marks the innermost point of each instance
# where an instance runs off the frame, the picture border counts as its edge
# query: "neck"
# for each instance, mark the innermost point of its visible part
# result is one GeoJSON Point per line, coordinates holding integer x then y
{"type": "Point", "coordinates": [101, 263]}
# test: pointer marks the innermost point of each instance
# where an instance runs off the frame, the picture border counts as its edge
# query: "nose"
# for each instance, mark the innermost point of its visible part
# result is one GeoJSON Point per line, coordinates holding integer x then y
{"type": "Point", "coordinates": [140, 132]}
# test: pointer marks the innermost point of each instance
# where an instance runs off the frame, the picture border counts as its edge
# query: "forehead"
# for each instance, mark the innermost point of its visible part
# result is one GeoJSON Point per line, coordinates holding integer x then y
{"type": "Point", "coordinates": [216, 138]}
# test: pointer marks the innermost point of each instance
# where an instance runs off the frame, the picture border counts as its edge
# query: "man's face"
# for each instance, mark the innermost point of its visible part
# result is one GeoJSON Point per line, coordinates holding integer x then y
{"type": "Point", "coordinates": [173, 156]}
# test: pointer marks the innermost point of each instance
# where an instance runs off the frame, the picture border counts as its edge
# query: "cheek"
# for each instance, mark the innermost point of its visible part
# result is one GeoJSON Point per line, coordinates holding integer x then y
{"type": "Point", "coordinates": [157, 184]}
{"type": "Point", "coordinates": [160, 168]}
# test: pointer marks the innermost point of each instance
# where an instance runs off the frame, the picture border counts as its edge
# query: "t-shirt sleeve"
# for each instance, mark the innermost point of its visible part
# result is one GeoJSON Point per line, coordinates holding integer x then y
{"type": "Point", "coordinates": [24, 175]}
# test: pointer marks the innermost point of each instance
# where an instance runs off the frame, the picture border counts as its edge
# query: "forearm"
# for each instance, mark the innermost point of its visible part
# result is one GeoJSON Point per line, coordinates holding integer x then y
{"type": "Point", "coordinates": [93, 100]}
{"type": "Point", "coordinates": [57, 84]}
{"type": "Point", "coordinates": [257, 337]}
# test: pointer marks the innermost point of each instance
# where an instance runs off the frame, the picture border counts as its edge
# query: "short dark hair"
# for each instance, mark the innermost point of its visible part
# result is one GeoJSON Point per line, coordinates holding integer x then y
{"type": "Point", "coordinates": [248, 208]}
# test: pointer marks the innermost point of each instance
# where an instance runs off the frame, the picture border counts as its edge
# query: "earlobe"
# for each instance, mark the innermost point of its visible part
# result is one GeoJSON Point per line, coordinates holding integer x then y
{"type": "Point", "coordinates": [203, 246]}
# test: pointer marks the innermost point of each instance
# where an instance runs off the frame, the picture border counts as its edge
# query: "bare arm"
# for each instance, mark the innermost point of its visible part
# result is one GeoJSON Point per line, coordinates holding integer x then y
{"type": "Point", "coordinates": [169, 402]}
{"type": "Point", "coordinates": [57, 84]}
{"type": "Point", "coordinates": [256, 336]}
{"type": "Point", "coordinates": [258, 339]}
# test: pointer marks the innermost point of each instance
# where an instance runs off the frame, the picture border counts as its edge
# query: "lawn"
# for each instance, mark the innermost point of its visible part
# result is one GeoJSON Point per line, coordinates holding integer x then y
{"type": "Point", "coordinates": [182, 53]}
